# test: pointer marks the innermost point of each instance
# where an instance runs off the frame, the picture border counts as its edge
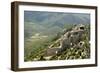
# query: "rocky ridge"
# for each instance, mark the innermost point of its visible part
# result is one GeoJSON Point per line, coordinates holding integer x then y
{"type": "Point", "coordinates": [73, 44]}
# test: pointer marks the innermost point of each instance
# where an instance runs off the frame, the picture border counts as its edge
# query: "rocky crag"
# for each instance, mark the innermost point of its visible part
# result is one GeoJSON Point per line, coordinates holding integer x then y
{"type": "Point", "coordinates": [73, 44]}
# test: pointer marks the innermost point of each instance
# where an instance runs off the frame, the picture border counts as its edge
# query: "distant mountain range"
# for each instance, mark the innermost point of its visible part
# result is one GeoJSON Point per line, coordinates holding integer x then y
{"type": "Point", "coordinates": [51, 22]}
{"type": "Point", "coordinates": [56, 18]}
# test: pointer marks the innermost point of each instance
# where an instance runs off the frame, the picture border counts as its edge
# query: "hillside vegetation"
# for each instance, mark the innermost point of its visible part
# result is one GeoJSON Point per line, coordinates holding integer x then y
{"type": "Point", "coordinates": [79, 48]}
{"type": "Point", "coordinates": [43, 29]}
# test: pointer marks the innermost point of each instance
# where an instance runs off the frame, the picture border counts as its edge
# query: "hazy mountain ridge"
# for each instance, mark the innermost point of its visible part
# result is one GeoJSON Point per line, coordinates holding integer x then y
{"type": "Point", "coordinates": [56, 18]}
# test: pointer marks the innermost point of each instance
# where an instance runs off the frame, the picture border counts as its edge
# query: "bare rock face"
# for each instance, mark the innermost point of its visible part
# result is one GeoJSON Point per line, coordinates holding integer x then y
{"type": "Point", "coordinates": [68, 40]}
